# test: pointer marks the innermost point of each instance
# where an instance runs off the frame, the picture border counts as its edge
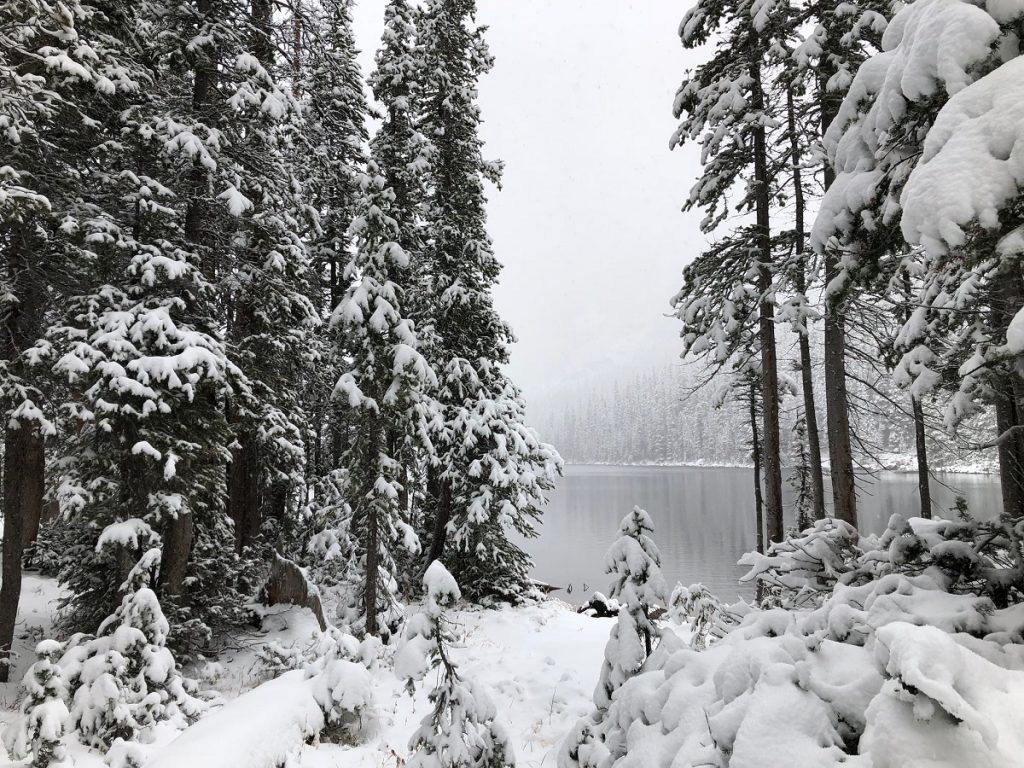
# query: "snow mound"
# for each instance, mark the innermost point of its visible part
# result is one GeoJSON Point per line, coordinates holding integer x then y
{"type": "Point", "coordinates": [268, 726]}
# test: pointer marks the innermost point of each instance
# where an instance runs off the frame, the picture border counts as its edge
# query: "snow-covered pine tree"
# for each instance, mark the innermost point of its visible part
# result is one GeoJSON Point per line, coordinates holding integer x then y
{"type": "Point", "coordinates": [398, 148]}
{"type": "Point", "coordinates": [385, 388]}
{"type": "Point", "coordinates": [146, 373]}
{"type": "Point", "coordinates": [800, 477]}
{"type": "Point", "coordinates": [962, 205]}
{"type": "Point", "coordinates": [40, 727]}
{"type": "Point", "coordinates": [723, 105]}
{"type": "Point", "coordinates": [61, 70]}
{"type": "Point", "coordinates": [198, 156]}
{"type": "Point", "coordinates": [331, 156]}
{"type": "Point", "coordinates": [265, 278]}
{"type": "Point", "coordinates": [492, 471]}
{"type": "Point", "coordinates": [634, 564]}
{"type": "Point", "coordinates": [462, 731]}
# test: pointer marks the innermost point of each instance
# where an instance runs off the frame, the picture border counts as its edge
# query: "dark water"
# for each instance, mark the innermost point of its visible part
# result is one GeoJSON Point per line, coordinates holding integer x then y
{"type": "Point", "coordinates": [704, 519]}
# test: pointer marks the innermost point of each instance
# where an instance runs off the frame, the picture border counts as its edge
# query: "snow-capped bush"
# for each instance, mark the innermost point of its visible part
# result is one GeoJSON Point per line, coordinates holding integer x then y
{"type": "Point", "coordinates": [344, 691]}
{"type": "Point", "coordinates": [698, 607]}
{"type": "Point", "coordinates": [125, 679]}
{"type": "Point", "coordinates": [802, 569]}
{"type": "Point", "coordinates": [110, 687]}
{"type": "Point", "coordinates": [39, 729]}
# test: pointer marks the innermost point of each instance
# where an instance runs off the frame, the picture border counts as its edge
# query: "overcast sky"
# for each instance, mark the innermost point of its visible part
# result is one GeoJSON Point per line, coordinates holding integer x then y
{"type": "Point", "coordinates": [588, 223]}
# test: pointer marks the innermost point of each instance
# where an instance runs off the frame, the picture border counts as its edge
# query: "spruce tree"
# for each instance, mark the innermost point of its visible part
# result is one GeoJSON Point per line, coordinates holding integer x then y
{"type": "Point", "coordinates": [385, 387]}
{"type": "Point", "coordinates": [61, 73]}
{"type": "Point", "coordinates": [467, 342]}
{"type": "Point", "coordinates": [462, 730]}
{"type": "Point", "coordinates": [634, 564]}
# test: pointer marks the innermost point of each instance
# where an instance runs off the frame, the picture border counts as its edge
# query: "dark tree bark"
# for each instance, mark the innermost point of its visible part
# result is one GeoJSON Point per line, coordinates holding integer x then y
{"type": "Point", "coordinates": [755, 451]}
{"type": "Point", "coordinates": [837, 406]}
{"type": "Point", "coordinates": [177, 548]}
{"type": "Point", "coordinates": [923, 489]}
{"type": "Point", "coordinates": [243, 492]}
{"type": "Point", "coordinates": [800, 283]}
{"type": "Point", "coordinates": [372, 570]}
{"type": "Point", "coordinates": [443, 513]}
{"type": "Point", "coordinates": [24, 465]}
{"type": "Point", "coordinates": [23, 504]}
{"type": "Point", "coordinates": [766, 322]}
{"type": "Point", "coordinates": [1009, 466]}
{"type": "Point", "coordinates": [1007, 299]}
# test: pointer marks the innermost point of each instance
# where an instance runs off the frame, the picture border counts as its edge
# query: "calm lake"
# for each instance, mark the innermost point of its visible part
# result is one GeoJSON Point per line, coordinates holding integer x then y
{"type": "Point", "coordinates": [703, 518]}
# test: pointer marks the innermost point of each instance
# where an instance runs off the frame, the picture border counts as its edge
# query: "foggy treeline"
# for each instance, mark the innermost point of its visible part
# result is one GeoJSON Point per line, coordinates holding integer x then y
{"type": "Point", "coordinates": [661, 415]}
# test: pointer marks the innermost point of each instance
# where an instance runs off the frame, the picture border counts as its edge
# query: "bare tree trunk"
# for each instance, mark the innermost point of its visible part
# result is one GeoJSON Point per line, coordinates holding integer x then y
{"type": "Point", "coordinates": [766, 318]}
{"type": "Point", "coordinates": [1007, 298]}
{"type": "Point", "coordinates": [243, 492]}
{"type": "Point", "coordinates": [443, 515]}
{"type": "Point", "coordinates": [923, 490]}
{"type": "Point", "coordinates": [24, 466]}
{"type": "Point", "coordinates": [755, 445]}
{"type": "Point", "coordinates": [372, 570]}
{"type": "Point", "coordinates": [837, 406]}
{"type": "Point", "coordinates": [806, 368]}
{"type": "Point", "coordinates": [1006, 419]}
{"type": "Point", "coordinates": [177, 550]}
{"type": "Point", "coordinates": [23, 504]}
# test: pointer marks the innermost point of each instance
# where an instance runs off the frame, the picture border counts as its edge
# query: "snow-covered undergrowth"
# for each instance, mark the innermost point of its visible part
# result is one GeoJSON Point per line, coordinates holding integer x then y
{"type": "Point", "coordinates": [539, 663]}
{"type": "Point", "coordinates": [876, 653]}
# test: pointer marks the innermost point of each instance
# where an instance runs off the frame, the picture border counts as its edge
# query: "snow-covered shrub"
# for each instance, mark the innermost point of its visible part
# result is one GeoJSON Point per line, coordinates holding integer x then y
{"type": "Point", "coordinates": [462, 730]}
{"type": "Point", "coordinates": [697, 606]}
{"type": "Point", "coordinates": [124, 679]}
{"type": "Point", "coordinates": [39, 729]}
{"type": "Point", "coordinates": [344, 691]}
{"type": "Point", "coordinates": [600, 606]}
{"type": "Point", "coordinates": [897, 659]}
{"type": "Point", "coordinates": [802, 569]}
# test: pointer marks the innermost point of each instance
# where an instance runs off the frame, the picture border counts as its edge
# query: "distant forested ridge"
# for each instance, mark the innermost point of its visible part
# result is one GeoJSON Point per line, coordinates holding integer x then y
{"type": "Point", "coordinates": [661, 415]}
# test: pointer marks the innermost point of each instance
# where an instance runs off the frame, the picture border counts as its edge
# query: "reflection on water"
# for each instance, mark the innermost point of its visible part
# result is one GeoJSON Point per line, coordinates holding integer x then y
{"type": "Point", "coordinates": [704, 519]}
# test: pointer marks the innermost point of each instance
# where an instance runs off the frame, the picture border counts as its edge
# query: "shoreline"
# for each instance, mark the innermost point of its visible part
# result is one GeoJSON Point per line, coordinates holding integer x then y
{"type": "Point", "coordinates": [895, 470]}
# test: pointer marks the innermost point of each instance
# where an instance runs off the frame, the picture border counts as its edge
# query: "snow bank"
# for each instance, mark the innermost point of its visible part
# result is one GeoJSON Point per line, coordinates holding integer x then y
{"type": "Point", "coordinates": [268, 726]}
{"type": "Point", "coordinates": [263, 728]}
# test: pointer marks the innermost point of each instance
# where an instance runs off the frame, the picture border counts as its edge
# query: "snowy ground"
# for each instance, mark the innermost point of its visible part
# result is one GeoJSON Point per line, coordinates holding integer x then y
{"type": "Point", "coordinates": [540, 663]}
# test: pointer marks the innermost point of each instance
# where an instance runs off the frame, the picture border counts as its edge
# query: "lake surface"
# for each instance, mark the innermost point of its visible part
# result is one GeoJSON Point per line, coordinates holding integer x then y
{"type": "Point", "coordinates": [703, 519]}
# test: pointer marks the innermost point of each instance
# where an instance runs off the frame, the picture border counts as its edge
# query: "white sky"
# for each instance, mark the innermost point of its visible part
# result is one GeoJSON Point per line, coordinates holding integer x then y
{"type": "Point", "coordinates": [588, 223]}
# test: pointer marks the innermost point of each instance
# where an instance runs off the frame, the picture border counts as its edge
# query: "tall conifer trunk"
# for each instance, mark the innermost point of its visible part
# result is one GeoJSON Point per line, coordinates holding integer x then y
{"type": "Point", "coordinates": [1008, 298]}
{"type": "Point", "coordinates": [24, 464]}
{"type": "Point", "coordinates": [766, 322]}
{"type": "Point", "coordinates": [837, 406]}
{"type": "Point", "coordinates": [806, 369]}
{"type": "Point", "coordinates": [178, 531]}
{"type": "Point", "coordinates": [755, 452]}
